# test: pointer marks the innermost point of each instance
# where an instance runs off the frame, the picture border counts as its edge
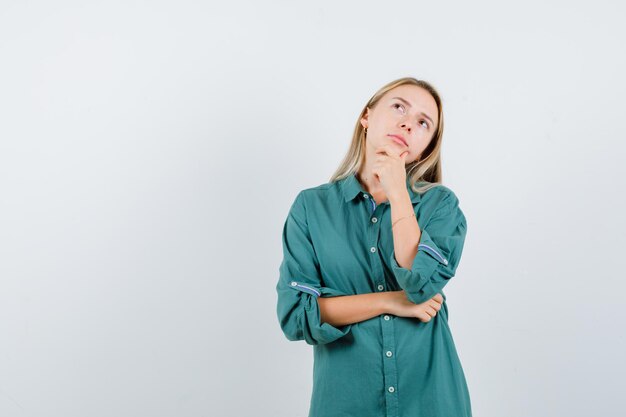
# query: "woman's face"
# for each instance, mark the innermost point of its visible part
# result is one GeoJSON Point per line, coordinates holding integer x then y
{"type": "Point", "coordinates": [407, 111]}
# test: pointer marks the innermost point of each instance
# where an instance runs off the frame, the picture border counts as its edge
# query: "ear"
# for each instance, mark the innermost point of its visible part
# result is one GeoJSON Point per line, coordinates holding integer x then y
{"type": "Point", "coordinates": [364, 119]}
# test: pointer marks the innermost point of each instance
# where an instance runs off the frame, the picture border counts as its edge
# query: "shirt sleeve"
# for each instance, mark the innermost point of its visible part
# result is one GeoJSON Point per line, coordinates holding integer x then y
{"type": "Point", "coordinates": [438, 254]}
{"type": "Point", "coordinates": [300, 283]}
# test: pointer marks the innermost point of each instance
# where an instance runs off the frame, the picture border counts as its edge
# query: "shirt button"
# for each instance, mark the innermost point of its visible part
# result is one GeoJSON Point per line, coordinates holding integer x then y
{"type": "Point", "coordinates": [386, 317]}
{"type": "Point", "coordinates": [380, 288]}
{"type": "Point", "coordinates": [374, 219]}
{"type": "Point", "coordinates": [372, 249]}
{"type": "Point", "coordinates": [294, 283]}
{"type": "Point", "coordinates": [389, 354]}
{"type": "Point", "coordinates": [391, 389]}
{"type": "Point", "coordinates": [366, 196]}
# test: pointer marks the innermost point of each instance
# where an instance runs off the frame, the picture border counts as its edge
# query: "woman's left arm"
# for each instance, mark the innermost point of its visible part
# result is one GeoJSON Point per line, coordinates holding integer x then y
{"type": "Point", "coordinates": [426, 256]}
{"type": "Point", "coordinates": [406, 232]}
{"type": "Point", "coordinates": [423, 267]}
{"type": "Point", "coordinates": [390, 168]}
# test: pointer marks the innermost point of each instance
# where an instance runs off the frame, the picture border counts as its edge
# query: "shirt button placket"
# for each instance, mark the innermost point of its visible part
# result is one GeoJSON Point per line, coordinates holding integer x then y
{"type": "Point", "coordinates": [389, 366]}
{"type": "Point", "coordinates": [390, 375]}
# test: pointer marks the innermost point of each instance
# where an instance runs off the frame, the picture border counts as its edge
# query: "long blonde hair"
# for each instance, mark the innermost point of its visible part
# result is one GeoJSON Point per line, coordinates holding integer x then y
{"type": "Point", "coordinates": [426, 170]}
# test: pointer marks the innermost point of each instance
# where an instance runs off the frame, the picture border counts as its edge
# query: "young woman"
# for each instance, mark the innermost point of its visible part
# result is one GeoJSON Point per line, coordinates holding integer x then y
{"type": "Point", "coordinates": [366, 257]}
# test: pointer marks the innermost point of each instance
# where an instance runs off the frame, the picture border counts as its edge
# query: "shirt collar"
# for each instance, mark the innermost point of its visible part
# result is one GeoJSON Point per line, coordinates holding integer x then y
{"type": "Point", "coordinates": [351, 188]}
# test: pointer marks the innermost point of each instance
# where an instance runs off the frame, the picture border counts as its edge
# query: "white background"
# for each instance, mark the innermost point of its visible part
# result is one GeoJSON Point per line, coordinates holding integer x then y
{"type": "Point", "coordinates": [149, 153]}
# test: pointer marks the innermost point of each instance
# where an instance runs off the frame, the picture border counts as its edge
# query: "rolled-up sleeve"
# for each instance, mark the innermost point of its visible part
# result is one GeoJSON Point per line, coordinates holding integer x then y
{"type": "Point", "coordinates": [438, 253]}
{"type": "Point", "coordinates": [300, 284]}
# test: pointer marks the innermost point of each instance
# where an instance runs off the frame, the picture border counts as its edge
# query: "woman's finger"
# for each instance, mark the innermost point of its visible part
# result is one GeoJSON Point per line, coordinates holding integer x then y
{"type": "Point", "coordinates": [390, 150]}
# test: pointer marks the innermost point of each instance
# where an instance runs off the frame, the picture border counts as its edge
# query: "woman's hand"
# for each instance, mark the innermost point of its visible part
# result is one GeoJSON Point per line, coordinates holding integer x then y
{"type": "Point", "coordinates": [399, 305]}
{"type": "Point", "coordinates": [390, 168]}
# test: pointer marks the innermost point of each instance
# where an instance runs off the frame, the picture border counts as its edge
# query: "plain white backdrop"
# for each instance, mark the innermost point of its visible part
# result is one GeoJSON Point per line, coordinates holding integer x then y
{"type": "Point", "coordinates": [150, 150]}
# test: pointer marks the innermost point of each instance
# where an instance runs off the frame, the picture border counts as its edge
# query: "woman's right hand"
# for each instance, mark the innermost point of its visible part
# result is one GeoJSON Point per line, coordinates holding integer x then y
{"type": "Point", "coordinates": [399, 305]}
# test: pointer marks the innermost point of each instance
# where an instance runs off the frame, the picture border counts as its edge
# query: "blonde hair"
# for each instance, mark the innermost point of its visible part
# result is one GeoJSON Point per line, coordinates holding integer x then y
{"type": "Point", "coordinates": [426, 170]}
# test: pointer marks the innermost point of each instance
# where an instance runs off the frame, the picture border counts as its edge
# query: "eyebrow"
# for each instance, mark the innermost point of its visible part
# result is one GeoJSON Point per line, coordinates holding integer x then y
{"type": "Point", "coordinates": [409, 104]}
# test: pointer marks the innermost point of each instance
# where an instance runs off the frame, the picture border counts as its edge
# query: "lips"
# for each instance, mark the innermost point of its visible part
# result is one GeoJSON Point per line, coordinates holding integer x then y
{"type": "Point", "coordinates": [400, 138]}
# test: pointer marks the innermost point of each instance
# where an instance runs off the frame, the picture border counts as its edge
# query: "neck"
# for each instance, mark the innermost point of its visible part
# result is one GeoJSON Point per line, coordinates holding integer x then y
{"type": "Point", "coordinates": [368, 180]}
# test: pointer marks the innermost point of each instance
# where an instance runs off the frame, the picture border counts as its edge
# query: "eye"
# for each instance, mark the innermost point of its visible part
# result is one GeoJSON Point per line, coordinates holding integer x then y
{"type": "Point", "coordinates": [426, 123]}
{"type": "Point", "coordinates": [397, 104]}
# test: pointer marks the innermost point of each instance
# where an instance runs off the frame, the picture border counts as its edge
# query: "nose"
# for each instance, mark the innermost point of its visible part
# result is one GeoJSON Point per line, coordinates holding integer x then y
{"type": "Point", "coordinates": [405, 125]}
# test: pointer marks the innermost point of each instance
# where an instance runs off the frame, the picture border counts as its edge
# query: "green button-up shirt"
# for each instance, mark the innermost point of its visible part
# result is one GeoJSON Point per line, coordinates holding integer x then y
{"type": "Point", "coordinates": [338, 241]}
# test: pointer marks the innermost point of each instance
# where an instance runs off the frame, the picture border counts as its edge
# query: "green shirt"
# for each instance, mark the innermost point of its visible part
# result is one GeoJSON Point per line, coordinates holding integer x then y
{"type": "Point", "coordinates": [338, 241]}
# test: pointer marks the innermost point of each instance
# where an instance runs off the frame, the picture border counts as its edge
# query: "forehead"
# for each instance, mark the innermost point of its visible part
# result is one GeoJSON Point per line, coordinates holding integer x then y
{"type": "Point", "coordinates": [420, 99]}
